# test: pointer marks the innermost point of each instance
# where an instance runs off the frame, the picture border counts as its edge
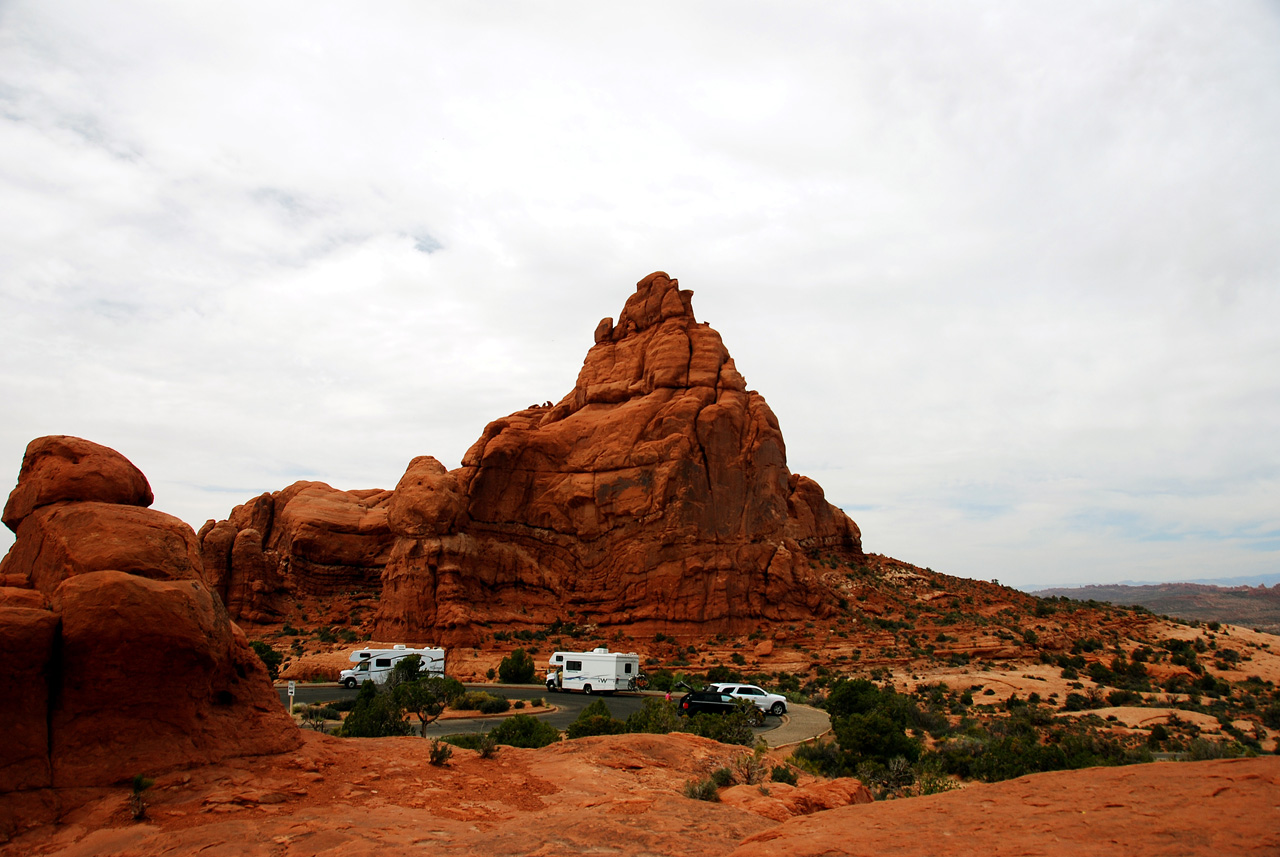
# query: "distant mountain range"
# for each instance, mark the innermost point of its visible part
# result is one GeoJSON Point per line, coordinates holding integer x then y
{"type": "Point", "coordinates": [1253, 606]}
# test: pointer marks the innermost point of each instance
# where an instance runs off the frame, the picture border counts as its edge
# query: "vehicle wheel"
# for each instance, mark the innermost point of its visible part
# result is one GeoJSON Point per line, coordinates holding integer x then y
{"type": "Point", "coordinates": [778, 709]}
{"type": "Point", "coordinates": [551, 688]}
{"type": "Point", "coordinates": [586, 688]}
{"type": "Point", "coordinates": [350, 683]}
{"type": "Point", "coordinates": [757, 717]}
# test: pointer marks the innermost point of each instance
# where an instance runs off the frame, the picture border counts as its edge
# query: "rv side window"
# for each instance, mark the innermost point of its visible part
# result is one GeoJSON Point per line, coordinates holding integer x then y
{"type": "Point", "coordinates": [363, 666]}
{"type": "Point", "coordinates": [626, 668]}
{"type": "Point", "coordinates": [382, 662]}
{"type": "Point", "coordinates": [573, 666]}
{"type": "Point", "coordinates": [559, 658]}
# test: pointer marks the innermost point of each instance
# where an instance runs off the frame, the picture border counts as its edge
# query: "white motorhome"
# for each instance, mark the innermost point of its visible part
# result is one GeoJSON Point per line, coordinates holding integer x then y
{"type": "Point", "coordinates": [596, 671]}
{"type": "Point", "coordinates": [376, 664]}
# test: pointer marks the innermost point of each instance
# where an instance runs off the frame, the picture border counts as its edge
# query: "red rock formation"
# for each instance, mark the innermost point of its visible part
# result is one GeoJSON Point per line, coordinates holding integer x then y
{"type": "Point", "coordinates": [656, 491]}
{"type": "Point", "coordinates": [58, 468]}
{"type": "Point", "coordinates": [308, 539]}
{"type": "Point", "coordinates": [116, 656]}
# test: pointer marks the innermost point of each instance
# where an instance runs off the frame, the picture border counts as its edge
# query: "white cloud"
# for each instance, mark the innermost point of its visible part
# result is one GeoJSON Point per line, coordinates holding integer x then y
{"type": "Point", "coordinates": [1006, 272]}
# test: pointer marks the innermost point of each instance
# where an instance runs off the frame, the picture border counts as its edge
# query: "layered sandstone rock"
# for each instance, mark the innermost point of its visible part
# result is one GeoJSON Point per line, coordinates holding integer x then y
{"type": "Point", "coordinates": [117, 657]}
{"type": "Point", "coordinates": [656, 491]}
{"type": "Point", "coordinates": [308, 539]}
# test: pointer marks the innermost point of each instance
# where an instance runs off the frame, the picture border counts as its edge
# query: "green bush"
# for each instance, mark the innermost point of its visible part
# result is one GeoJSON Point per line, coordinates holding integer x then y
{"type": "Point", "coordinates": [440, 753]}
{"type": "Point", "coordinates": [270, 658]}
{"type": "Point", "coordinates": [732, 728]}
{"type": "Point", "coordinates": [517, 668]}
{"type": "Point", "coordinates": [495, 705]}
{"type": "Point", "coordinates": [523, 730]}
{"type": "Point", "coordinates": [722, 777]}
{"type": "Point", "coordinates": [821, 758]}
{"type": "Point", "coordinates": [375, 715]}
{"type": "Point", "coordinates": [783, 774]}
{"type": "Point", "coordinates": [656, 716]}
{"type": "Point", "coordinates": [702, 790]}
{"type": "Point", "coordinates": [595, 719]}
{"type": "Point", "coordinates": [479, 700]}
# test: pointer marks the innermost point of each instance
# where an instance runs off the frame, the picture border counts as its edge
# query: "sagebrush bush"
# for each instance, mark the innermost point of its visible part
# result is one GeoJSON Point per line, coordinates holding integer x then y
{"type": "Point", "coordinates": [440, 753]}
{"type": "Point", "coordinates": [702, 790]}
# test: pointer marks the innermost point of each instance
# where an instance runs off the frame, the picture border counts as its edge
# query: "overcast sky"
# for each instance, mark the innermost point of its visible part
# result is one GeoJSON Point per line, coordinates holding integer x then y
{"type": "Point", "coordinates": [1008, 273]}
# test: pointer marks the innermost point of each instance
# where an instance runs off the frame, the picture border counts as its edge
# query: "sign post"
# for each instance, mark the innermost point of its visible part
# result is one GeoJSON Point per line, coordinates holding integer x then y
{"type": "Point", "coordinates": [293, 685]}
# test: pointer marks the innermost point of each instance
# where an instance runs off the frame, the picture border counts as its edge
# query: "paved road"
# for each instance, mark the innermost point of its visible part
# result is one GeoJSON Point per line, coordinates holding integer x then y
{"type": "Point", "coordinates": [568, 705]}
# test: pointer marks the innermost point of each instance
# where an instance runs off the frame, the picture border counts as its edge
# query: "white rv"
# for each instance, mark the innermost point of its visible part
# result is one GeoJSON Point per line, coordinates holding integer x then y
{"type": "Point", "coordinates": [376, 664]}
{"type": "Point", "coordinates": [596, 671]}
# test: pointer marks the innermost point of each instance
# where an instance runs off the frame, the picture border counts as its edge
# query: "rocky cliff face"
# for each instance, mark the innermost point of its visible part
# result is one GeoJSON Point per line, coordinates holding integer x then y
{"type": "Point", "coordinates": [309, 539]}
{"type": "Point", "coordinates": [116, 655]}
{"type": "Point", "coordinates": [656, 491]}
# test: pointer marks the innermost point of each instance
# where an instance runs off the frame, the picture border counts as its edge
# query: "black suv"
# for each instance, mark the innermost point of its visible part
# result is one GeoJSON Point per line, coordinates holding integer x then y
{"type": "Point", "coordinates": [715, 702]}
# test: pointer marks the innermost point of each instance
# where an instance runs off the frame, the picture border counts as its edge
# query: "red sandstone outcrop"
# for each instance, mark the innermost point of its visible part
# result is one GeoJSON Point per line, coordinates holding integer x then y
{"type": "Point", "coordinates": [308, 539]}
{"type": "Point", "coordinates": [116, 656]}
{"type": "Point", "coordinates": [59, 468]}
{"type": "Point", "coordinates": [655, 491]}
{"type": "Point", "coordinates": [625, 793]}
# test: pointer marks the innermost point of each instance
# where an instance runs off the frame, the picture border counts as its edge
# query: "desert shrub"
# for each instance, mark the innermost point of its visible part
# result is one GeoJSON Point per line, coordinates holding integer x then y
{"type": "Point", "coordinates": [1202, 749]}
{"type": "Point", "coordinates": [465, 740]}
{"type": "Point", "coordinates": [656, 716]}
{"type": "Point", "coordinates": [270, 658]}
{"type": "Point", "coordinates": [1271, 716]}
{"type": "Point", "coordinates": [732, 728]}
{"type": "Point", "coordinates": [783, 774]}
{"type": "Point", "coordinates": [495, 705]}
{"type": "Point", "coordinates": [748, 768]}
{"type": "Point", "coordinates": [517, 668]}
{"type": "Point", "coordinates": [1123, 697]}
{"type": "Point", "coordinates": [440, 753]}
{"type": "Point", "coordinates": [722, 777]}
{"type": "Point", "coordinates": [821, 758]}
{"type": "Point", "coordinates": [702, 790]}
{"type": "Point", "coordinates": [375, 715]}
{"type": "Point", "coordinates": [523, 730]}
{"type": "Point", "coordinates": [487, 745]}
{"type": "Point", "coordinates": [595, 719]}
{"type": "Point", "coordinates": [661, 679]}
{"type": "Point", "coordinates": [518, 704]}
{"type": "Point", "coordinates": [425, 697]}
{"type": "Point", "coordinates": [138, 800]}
{"type": "Point", "coordinates": [479, 700]}
{"type": "Point", "coordinates": [874, 737]}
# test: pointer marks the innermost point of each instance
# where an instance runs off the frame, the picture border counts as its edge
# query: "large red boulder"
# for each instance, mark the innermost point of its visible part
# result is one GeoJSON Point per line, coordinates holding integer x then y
{"type": "Point", "coordinates": [116, 656]}
{"type": "Point", "coordinates": [154, 675]}
{"type": "Point", "coordinates": [66, 539]}
{"type": "Point", "coordinates": [60, 468]}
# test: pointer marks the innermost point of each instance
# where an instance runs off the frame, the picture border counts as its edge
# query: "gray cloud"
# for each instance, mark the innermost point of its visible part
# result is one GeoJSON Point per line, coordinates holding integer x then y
{"type": "Point", "coordinates": [1006, 272]}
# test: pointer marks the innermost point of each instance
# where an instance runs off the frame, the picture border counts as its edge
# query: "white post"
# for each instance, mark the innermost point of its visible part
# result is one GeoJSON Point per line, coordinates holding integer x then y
{"type": "Point", "coordinates": [292, 687]}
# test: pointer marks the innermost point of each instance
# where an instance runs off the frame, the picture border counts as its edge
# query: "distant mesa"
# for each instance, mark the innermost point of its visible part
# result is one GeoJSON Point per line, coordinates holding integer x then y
{"type": "Point", "coordinates": [655, 492]}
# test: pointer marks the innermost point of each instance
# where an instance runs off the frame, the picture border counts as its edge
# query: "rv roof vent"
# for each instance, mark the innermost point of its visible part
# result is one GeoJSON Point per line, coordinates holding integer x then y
{"type": "Point", "coordinates": [399, 645]}
{"type": "Point", "coordinates": [600, 650]}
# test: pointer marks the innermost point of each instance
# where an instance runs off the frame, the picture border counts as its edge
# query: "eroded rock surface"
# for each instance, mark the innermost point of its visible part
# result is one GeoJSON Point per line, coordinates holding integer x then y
{"type": "Point", "coordinates": [116, 656]}
{"type": "Point", "coordinates": [308, 539]}
{"type": "Point", "coordinates": [656, 491]}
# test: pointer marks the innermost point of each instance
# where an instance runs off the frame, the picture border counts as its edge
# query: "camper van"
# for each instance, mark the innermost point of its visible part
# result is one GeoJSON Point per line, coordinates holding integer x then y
{"type": "Point", "coordinates": [376, 664]}
{"type": "Point", "coordinates": [596, 671]}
